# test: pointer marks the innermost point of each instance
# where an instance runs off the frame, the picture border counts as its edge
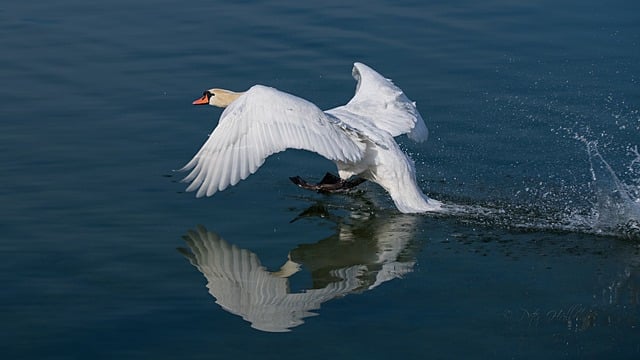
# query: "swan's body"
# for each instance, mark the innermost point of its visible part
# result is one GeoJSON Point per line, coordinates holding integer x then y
{"type": "Point", "coordinates": [358, 137]}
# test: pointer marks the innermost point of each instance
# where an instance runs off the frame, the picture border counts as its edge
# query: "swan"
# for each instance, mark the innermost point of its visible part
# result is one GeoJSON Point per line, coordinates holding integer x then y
{"type": "Point", "coordinates": [358, 137]}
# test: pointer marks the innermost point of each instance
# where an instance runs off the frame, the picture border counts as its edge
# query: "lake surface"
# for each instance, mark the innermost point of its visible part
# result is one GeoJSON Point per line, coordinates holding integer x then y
{"type": "Point", "coordinates": [533, 109]}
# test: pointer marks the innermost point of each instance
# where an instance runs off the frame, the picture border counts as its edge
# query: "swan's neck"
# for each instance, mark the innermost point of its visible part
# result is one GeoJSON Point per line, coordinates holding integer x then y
{"type": "Point", "coordinates": [289, 268]}
{"type": "Point", "coordinates": [224, 97]}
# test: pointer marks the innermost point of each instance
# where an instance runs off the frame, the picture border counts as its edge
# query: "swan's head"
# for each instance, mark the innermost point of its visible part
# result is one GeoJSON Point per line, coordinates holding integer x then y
{"type": "Point", "coordinates": [217, 97]}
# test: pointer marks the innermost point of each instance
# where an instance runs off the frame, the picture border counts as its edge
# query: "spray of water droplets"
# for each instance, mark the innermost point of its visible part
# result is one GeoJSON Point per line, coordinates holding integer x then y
{"type": "Point", "coordinates": [603, 200]}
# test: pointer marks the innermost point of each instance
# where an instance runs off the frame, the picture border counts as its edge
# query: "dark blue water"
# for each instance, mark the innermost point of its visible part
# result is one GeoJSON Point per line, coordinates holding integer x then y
{"type": "Point", "coordinates": [534, 114]}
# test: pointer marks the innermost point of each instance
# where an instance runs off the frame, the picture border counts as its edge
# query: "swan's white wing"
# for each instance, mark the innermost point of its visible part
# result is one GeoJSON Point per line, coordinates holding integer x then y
{"type": "Point", "coordinates": [261, 122]}
{"type": "Point", "coordinates": [384, 104]}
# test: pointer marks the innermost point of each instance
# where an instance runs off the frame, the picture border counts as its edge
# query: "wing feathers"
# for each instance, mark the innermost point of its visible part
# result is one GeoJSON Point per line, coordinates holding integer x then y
{"type": "Point", "coordinates": [235, 165]}
{"type": "Point", "coordinates": [225, 169]}
{"type": "Point", "coordinates": [261, 122]}
{"type": "Point", "coordinates": [379, 103]}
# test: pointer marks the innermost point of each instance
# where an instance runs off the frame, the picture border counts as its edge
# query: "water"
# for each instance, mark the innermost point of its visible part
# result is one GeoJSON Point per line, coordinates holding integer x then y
{"type": "Point", "coordinates": [534, 115]}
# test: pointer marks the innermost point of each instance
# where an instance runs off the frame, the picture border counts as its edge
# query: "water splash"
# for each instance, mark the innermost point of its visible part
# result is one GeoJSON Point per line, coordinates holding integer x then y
{"type": "Point", "coordinates": [611, 208]}
{"type": "Point", "coordinates": [616, 210]}
{"type": "Point", "coordinates": [601, 197]}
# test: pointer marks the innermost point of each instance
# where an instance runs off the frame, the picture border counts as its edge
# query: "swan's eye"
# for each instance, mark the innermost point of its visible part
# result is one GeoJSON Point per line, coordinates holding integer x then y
{"type": "Point", "coordinates": [209, 93]}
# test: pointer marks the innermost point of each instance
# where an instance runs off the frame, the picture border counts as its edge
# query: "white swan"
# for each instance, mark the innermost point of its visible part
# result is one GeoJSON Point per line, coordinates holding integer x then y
{"type": "Point", "coordinates": [358, 137]}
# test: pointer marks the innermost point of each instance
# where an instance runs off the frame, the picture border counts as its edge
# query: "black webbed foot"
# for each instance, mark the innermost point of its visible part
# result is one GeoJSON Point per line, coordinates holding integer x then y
{"type": "Point", "coordinates": [329, 183]}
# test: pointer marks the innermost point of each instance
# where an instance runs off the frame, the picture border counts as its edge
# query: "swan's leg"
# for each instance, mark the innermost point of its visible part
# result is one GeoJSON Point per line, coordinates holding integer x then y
{"type": "Point", "coordinates": [329, 183]}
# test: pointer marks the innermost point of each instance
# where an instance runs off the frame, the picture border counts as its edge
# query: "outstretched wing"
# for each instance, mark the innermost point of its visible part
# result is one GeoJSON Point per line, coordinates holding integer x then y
{"type": "Point", "coordinates": [261, 122]}
{"type": "Point", "coordinates": [383, 104]}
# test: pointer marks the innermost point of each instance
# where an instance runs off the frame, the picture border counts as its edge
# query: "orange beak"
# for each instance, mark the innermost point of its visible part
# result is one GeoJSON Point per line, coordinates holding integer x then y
{"type": "Point", "coordinates": [204, 100]}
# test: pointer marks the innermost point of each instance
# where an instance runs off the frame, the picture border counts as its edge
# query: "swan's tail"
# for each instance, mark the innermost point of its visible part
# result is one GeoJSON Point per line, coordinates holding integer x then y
{"type": "Point", "coordinates": [410, 199]}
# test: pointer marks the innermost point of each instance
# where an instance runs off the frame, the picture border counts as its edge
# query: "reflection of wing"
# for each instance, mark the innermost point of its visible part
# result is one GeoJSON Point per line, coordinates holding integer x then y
{"type": "Point", "coordinates": [242, 286]}
{"type": "Point", "coordinates": [375, 243]}
{"type": "Point", "coordinates": [392, 238]}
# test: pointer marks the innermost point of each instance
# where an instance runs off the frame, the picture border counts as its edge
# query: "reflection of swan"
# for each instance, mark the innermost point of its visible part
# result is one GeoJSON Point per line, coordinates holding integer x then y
{"type": "Point", "coordinates": [379, 244]}
{"type": "Point", "coordinates": [358, 137]}
{"type": "Point", "coordinates": [358, 258]}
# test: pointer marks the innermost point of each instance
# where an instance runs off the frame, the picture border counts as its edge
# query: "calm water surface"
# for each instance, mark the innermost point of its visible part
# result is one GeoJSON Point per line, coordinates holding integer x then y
{"type": "Point", "coordinates": [534, 113]}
